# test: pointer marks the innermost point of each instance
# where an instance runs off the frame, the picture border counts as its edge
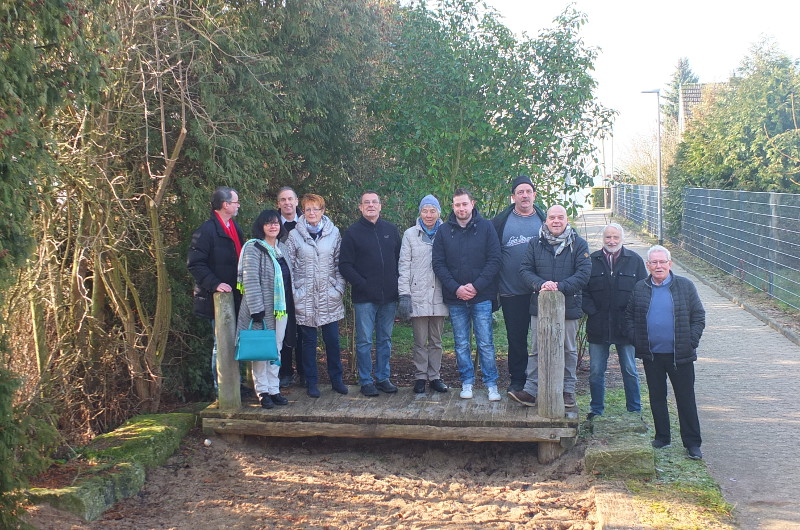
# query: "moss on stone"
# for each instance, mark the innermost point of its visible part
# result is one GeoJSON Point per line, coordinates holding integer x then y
{"type": "Point", "coordinates": [123, 456]}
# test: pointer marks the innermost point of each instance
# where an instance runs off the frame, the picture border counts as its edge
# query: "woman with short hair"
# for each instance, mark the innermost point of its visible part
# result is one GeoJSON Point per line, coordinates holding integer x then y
{"type": "Point", "coordinates": [313, 251]}
{"type": "Point", "coordinates": [263, 278]}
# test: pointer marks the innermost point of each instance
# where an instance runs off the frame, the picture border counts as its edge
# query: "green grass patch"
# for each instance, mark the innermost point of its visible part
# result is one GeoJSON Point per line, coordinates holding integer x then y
{"type": "Point", "coordinates": [683, 495]}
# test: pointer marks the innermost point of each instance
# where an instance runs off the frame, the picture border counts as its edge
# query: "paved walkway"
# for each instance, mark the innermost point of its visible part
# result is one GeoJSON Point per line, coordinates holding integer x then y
{"type": "Point", "coordinates": [747, 389]}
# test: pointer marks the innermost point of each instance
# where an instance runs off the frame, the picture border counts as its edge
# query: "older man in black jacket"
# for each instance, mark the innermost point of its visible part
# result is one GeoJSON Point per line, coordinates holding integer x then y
{"type": "Point", "coordinates": [214, 256]}
{"type": "Point", "coordinates": [615, 270]}
{"type": "Point", "coordinates": [558, 260]}
{"type": "Point", "coordinates": [665, 320]}
{"type": "Point", "coordinates": [368, 261]}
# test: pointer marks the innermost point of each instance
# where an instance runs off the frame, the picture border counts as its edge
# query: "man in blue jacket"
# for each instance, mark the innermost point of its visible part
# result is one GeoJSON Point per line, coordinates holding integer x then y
{"type": "Point", "coordinates": [466, 259]}
{"type": "Point", "coordinates": [665, 320]}
{"type": "Point", "coordinates": [558, 260]}
{"type": "Point", "coordinates": [368, 261]}
{"type": "Point", "coordinates": [214, 257]}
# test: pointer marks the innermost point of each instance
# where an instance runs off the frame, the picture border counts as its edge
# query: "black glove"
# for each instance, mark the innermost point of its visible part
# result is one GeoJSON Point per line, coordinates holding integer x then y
{"type": "Point", "coordinates": [404, 307]}
{"type": "Point", "coordinates": [258, 318]}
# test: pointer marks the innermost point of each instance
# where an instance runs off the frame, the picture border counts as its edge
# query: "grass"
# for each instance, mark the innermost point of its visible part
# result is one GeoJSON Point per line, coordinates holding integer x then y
{"type": "Point", "coordinates": [683, 495]}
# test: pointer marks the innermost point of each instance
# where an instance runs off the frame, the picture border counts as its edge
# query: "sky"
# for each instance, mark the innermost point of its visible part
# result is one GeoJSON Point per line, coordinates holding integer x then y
{"type": "Point", "coordinates": [640, 44]}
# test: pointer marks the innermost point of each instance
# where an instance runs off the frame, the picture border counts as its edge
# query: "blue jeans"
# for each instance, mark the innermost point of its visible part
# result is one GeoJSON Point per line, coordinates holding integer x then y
{"type": "Point", "coordinates": [377, 318]}
{"type": "Point", "coordinates": [598, 362]}
{"type": "Point", "coordinates": [477, 316]}
{"type": "Point", "coordinates": [330, 336]}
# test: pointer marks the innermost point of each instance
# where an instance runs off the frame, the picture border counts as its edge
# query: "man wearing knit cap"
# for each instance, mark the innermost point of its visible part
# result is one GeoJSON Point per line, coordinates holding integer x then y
{"type": "Point", "coordinates": [516, 226]}
{"type": "Point", "coordinates": [421, 296]}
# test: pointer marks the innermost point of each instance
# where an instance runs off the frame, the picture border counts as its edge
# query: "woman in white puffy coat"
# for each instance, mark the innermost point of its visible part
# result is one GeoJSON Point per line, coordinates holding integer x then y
{"type": "Point", "coordinates": [313, 252]}
{"type": "Point", "coordinates": [421, 296]}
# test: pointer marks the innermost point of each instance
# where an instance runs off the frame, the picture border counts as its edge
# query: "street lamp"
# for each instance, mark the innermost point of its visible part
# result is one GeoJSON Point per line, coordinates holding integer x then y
{"type": "Point", "coordinates": [657, 92]}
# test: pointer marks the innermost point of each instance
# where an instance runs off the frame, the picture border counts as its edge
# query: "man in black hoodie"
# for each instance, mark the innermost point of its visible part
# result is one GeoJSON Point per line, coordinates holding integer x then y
{"type": "Point", "coordinates": [368, 261]}
{"type": "Point", "coordinates": [466, 259]}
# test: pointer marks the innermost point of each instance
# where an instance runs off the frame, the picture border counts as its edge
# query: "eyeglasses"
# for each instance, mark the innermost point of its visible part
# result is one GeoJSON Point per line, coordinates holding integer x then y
{"type": "Point", "coordinates": [370, 202]}
{"type": "Point", "coordinates": [658, 262]}
{"type": "Point", "coordinates": [312, 210]}
{"type": "Point", "coordinates": [232, 202]}
{"type": "Point", "coordinates": [272, 223]}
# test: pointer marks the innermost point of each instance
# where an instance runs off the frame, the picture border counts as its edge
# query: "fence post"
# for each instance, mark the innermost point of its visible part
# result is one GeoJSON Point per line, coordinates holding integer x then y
{"type": "Point", "coordinates": [550, 340]}
{"type": "Point", "coordinates": [230, 397]}
{"type": "Point", "coordinates": [550, 330]}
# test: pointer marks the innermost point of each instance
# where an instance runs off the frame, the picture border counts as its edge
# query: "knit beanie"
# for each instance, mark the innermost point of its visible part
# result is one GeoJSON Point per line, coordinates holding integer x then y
{"type": "Point", "coordinates": [522, 179]}
{"type": "Point", "coordinates": [430, 200]}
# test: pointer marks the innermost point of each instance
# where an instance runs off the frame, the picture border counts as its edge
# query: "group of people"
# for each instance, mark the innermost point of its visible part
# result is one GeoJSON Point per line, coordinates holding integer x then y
{"type": "Point", "coordinates": [295, 268]}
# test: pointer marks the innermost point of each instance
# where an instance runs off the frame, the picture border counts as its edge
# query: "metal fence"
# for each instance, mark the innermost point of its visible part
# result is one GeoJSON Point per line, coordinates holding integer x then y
{"type": "Point", "coordinates": [638, 204]}
{"type": "Point", "coordinates": [753, 236]}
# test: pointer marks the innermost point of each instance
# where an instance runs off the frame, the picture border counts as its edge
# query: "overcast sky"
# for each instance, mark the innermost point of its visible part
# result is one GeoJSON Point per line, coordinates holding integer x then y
{"type": "Point", "coordinates": [641, 42]}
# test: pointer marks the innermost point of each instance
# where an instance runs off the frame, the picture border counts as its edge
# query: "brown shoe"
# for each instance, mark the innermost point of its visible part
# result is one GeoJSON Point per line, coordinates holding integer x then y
{"type": "Point", "coordinates": [520, 396]}
{"type": "Point", "coordinates": [569, 399]}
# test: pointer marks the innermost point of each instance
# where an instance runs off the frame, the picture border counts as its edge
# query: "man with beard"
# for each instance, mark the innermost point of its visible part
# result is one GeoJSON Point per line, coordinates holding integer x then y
{"type": "Point", "coordinates": [615, 270]}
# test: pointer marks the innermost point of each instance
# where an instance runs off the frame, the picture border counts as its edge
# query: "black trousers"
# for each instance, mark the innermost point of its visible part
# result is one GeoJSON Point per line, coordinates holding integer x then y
{"type": "Point", "coordinates": [516, 312]}
{"type": "Point", "coordinates": [682, 379]}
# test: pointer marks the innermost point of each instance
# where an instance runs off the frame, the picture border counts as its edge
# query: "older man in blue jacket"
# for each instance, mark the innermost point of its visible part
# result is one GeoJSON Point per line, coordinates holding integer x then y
{"type": "Point", "coordinates": [558, 260]}
{"type": "Point", "coordinates": [466, 259]}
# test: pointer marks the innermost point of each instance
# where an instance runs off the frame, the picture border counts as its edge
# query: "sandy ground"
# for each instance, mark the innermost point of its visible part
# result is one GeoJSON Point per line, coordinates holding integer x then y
{"type": "Point", "coordinates": [338, 483]}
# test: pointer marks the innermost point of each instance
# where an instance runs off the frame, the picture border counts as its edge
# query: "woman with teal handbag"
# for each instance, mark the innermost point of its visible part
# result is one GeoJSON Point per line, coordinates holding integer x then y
{"type": "Point", "coordinates": [263, 279]}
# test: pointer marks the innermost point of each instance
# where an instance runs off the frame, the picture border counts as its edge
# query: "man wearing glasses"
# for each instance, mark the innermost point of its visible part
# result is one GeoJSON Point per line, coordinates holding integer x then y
{"type": "Point", "coordinates": [368, 261]}
{"type": "Point", "coordinates": [664, 321]}
{"type": "Point", "coordinates": [213, 258]}
{"type": "Point", "coordinates": [291, 361]}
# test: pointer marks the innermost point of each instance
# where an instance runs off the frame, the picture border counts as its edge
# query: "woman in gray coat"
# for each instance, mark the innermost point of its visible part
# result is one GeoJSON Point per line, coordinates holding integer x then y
{"type": "Point", "coordinates": [313, 251]}
{"type": "Point", "coordinates": [263, 277]}
{"type": "Point", "coordinates": [421, 295]}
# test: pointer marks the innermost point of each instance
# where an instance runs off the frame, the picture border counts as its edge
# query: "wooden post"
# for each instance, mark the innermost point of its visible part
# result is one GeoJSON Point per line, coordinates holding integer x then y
{"type": "Point", "coordinates": [550, 339]}
{"type": "Point", "coordinates": [230, 397]}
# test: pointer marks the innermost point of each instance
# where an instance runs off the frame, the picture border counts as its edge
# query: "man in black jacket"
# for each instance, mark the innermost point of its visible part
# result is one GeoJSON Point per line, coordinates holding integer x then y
{"type": "Point", "coordinates": [558, 260]}
{"type": "Point", "coordinates": [665, 320]}
{"type": "Point", "coordinates": [368, 261]}
{"type": "Point", "coordinates": [615, 270]}
{"type": "Point", "coordinates": [287, 202]}
{"type": "Point", "coordinates": [214, 258]}
{"type": "Point", "coordinates": [466, 259]}
{"type": "Point", "coordinates": [516, 226]}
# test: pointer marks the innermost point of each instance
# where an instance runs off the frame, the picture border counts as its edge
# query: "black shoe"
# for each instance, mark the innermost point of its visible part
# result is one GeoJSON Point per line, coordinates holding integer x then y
{"type": "Point", "coordinates": [286, 381]}
{"type": "Point", "coordinates": [419, 386]}
{"type": "Point", "coordinates": [569, 399]}
{"type": "Point", "coordinates": [278, 399]}
{"type": "Point", "coordinates": [658, 444]}
{"type": "Point", "coordinates": [520, 396]}
{"type": "Point", "coordinates": [266, 402]}
{"type": "Point", "coordinates": [695, 453]}
{"type": "Point", "coordinates": [438, 385]}
{"type": "Point", "coordinates": [369, 390]}
{"type": "Point", "coordinates": [591, 415]}
{"type": "Point", "coordinates": [312, 390]}
{"type": "Point", "coordinates": [340, 387]}
{"type": "Point", "coordinates": [386, 386]}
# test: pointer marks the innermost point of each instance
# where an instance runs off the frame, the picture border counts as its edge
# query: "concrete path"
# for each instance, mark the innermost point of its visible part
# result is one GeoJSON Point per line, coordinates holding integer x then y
{"type": "Point", "coordinates": [747, 394]}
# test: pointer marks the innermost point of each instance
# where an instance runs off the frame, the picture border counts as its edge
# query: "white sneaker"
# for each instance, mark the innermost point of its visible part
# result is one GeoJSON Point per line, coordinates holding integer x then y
{"type": "Point", "coordinates": [494, 395]}
{"type": "Point", "coordinates": [466, 391]}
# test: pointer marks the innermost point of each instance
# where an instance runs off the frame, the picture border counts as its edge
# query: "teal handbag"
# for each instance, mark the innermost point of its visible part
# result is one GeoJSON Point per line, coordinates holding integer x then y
{"type": "Point", "coordinates": [257, 345]}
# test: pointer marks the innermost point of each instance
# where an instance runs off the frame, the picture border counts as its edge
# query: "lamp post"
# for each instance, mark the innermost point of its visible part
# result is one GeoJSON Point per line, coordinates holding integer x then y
{"type": "Point", "coordinates": [657, 92]}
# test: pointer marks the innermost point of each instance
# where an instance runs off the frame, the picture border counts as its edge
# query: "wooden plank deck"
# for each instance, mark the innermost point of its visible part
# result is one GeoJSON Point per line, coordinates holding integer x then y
{"type": "Point", "coordinates": [404, 415]}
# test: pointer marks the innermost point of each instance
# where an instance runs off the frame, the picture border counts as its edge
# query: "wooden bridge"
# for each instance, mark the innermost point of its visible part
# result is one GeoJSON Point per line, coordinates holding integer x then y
{"type": "Point", "coordinates": [404, 415]}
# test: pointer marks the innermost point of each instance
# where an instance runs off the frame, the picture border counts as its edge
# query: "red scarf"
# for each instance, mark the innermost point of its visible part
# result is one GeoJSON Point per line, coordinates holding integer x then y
{"type": "Point", "coordinates": [231, 231]}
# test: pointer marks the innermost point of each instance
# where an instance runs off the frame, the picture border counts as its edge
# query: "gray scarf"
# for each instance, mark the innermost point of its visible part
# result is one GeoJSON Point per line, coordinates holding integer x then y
{"type": "Point", "coordinates": [566, 238]}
